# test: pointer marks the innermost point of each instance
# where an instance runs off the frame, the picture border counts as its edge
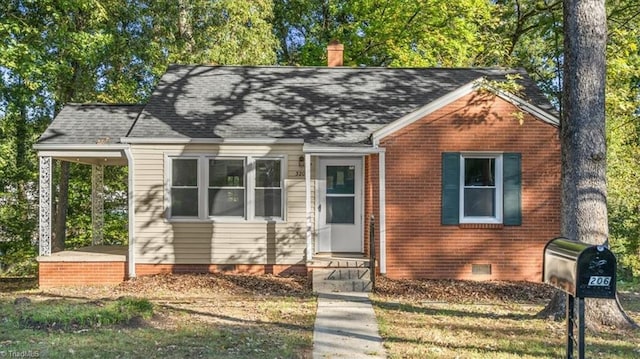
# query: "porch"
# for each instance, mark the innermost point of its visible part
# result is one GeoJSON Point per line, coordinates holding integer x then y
{"type": "Point", "coordinates": [96, 263]}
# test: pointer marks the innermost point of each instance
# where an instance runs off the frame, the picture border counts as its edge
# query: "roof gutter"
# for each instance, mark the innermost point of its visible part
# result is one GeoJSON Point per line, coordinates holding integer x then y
{"type": "Point", "coordinates": [186, 140]}
{"type": "Point", "coordinates": [79, 147]}
{"type": "Point", "coordinates": [328, 150]}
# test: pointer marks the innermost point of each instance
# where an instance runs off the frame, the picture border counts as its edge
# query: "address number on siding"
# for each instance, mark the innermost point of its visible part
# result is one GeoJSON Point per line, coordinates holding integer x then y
{"type": "Point", "coordinates": [599, 281]}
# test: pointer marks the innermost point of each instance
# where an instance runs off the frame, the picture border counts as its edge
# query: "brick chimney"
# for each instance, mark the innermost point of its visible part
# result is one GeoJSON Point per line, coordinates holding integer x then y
{"type": "Point", "coordinates": [335, 54]}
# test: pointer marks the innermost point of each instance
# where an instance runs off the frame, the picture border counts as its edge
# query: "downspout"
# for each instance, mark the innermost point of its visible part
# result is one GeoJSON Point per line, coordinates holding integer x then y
{"type": "Point", "coordinates": [307, 187]}
{"type": "Point", "coordinates": [131, 202]}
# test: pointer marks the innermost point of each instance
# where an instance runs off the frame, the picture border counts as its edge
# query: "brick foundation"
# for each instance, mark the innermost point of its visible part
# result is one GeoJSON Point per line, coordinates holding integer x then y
{"type": "Point", "coordinates": [275, 269]}
{"type": "Point", "coordinates": [60, 274]}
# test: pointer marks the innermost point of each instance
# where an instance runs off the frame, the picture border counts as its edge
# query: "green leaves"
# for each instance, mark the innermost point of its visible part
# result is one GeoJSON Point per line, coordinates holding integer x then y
{"type": "Point", "coordinates": [623, 140]}
{"type": "Point", "coordinates": [111, 51]}
{"type": "Point", "coordinates": [223, 32]}
{"type": "Point", "coordinates": [391, 33]}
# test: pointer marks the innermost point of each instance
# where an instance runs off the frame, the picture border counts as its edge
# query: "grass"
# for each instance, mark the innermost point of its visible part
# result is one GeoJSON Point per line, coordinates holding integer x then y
{"type": "Point", "coordinates": [236, 317]}
{"type": "Point", "coordinates": [66, 314]}
{"type": "Point", "coordinates": [491, 329]}
{"type": "Point", "coordinates": [225, 325]}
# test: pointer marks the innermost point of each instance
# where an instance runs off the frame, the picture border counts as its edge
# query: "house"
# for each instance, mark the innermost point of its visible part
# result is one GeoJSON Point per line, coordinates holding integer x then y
{"type": "Point", "coordinates": [268, 169]}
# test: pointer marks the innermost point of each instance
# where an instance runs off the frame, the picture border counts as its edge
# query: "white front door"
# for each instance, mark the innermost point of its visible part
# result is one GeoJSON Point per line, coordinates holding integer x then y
{"type": "Point", "coordinates": [339, 205]}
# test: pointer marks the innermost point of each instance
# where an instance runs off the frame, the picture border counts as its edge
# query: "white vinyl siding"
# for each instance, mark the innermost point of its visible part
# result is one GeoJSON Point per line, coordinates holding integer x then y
{"type": "Point", "coordinates": [162, 239]}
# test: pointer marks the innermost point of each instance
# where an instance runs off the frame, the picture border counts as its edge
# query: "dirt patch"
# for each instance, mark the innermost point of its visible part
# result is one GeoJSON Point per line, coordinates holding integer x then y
{"type": "Point", "coordinates": [194, 284]}
{"type": "Point", "coordinates": [8, 285]}
{"type": "Point", "coordinates": [459, 291]}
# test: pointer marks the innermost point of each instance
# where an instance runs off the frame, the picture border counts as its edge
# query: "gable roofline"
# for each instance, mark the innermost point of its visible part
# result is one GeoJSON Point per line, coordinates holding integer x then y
{"type": "Point", "coordinates": [455, 95]}
{"type": "Point", "coordinates": [525, 106]}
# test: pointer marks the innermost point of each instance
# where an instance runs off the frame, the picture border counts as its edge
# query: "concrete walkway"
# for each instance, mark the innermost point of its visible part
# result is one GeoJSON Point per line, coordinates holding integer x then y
{"type": "Point", "coordinates": [346, 327]}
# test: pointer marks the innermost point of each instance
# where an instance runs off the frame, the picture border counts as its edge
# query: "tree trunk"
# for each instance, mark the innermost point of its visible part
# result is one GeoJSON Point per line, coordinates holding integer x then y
{"type": "Point", "coordinates": [582, 135]}
{"type": "Point", "coordinates": [62, 203]}
{"type": "Point", "coordinates": [185, 28]}
{"type": "Point", "coordinates": [556, 308]}
{"type": "Point", "coordinates": [21, 154]}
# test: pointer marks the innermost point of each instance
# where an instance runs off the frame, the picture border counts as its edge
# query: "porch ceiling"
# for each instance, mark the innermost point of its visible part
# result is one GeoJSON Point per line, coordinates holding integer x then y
{"type": "Point", "coordinates": [106, 157]}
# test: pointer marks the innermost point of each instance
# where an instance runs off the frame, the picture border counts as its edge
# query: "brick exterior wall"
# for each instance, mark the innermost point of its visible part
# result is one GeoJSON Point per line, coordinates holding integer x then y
{"type": "Point", "coordinates": [418, 246]}
{"type": "Point", "coordinates": [60, 274]}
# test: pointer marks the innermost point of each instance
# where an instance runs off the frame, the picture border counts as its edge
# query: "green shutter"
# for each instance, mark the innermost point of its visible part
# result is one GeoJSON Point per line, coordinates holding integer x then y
{"type": "Point", "coordinates": [450, 188]}
{"type": "Point", "coordinates": [512, 202]}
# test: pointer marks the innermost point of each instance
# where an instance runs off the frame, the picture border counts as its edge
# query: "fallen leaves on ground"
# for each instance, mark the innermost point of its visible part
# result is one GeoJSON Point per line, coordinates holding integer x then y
{"type": "Point", "coordinates": [228, 284]}
{"type": "Point", "coordinates": [462, 291]}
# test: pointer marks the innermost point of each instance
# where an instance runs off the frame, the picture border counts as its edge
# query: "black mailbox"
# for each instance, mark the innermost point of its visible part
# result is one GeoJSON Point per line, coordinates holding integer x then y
{"type": "Point", "coordinates": [580, 269]}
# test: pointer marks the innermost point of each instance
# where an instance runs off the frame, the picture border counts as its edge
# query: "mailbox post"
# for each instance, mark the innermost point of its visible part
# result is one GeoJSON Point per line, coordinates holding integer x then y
{"type": "Point", "coordinates": [582, 271]}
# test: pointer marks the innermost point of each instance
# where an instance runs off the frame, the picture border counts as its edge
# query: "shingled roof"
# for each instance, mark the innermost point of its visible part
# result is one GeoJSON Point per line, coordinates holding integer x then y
{"type": "Point", "coordinates": [319, 105]}
{"type": "Point", "coordinates": [91, 124]}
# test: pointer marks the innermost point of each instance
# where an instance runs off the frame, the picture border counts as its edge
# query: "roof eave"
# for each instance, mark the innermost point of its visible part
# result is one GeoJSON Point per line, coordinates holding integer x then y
{"type": "Point", "coordinates": [328, 150]}
{"type": "Point", "coordinates": [526, 106]}
{"type": "Point", "coordinates": [79, 147]}
{"type": "Point", "coordinates": [187, 140]}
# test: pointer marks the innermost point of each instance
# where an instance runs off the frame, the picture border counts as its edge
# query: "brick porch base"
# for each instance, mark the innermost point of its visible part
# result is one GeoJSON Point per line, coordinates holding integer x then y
{"type": "Point", "coordinates": [58, 274]}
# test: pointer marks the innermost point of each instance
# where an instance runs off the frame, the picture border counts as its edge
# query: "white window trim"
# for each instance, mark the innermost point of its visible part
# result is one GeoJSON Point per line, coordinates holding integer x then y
{"type": "Point", "coordinates": [168, 181]}
{"type": "Point", "coordinates": [203, 188]}
{"type": "Point", "coordinates": [252, 177]}
{"type": "Point", "coordinates": [498, 219]}
{"type": "Point", "coordinates": [245, 167]}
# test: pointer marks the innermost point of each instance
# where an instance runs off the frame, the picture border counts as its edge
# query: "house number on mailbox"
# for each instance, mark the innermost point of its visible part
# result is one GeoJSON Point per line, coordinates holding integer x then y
{"type": "Point", "coordinates": [599, 281]}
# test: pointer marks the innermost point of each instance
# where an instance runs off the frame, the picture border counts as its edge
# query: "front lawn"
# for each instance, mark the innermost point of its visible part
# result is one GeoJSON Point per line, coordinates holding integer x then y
{"type": "Point", "coordinates": [236, 316]}
{"type": "Point", "coordinates": [458, 319]}
{"type": "Point", "coordinates": [187, 316]}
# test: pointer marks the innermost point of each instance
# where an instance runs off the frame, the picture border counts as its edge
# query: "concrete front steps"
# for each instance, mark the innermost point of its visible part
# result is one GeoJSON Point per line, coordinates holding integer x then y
{"type": "Point", "coordinates": [340, 275]}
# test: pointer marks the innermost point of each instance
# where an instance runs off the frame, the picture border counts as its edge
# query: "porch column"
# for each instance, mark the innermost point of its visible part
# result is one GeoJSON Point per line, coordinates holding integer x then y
{"type": "Point", "coordinates": [97, 203]}
{"type": "Point", "coordinates": [131, 259]}
{"type": "Point", "coordinates": [45, 206]}
{"type": "Point", "coordinates": [307, 191]}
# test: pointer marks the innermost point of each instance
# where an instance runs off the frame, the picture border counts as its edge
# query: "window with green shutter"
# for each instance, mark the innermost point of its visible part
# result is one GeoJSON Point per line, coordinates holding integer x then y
{"type": "Point", "coordinates": [481, 188]}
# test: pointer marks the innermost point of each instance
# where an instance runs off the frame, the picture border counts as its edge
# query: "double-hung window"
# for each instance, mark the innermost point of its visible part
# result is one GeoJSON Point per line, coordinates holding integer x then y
{"type": "Point", "coordinates": [226, 191]}
{"type": "Point", "coordinates": [481, 188]}
{"type": "Point", "coordinates": [268, 188]}
{"type": "Point", "coordinates": [184, 187]}
{"type": "Point", "coordinates": [234, 188]}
